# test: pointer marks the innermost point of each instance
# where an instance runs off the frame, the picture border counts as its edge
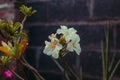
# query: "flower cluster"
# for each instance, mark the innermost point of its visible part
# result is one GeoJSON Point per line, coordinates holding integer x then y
{"type": "Point", "coordinates": [64, 41]}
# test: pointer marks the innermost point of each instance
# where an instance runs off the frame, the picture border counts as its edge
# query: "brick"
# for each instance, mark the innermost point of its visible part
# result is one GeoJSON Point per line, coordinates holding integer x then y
{"type": "Point", "coordinates": [59, 10]}
{"type": "Point", "coordinates": [46, 60]}
{"type": "Point", "coordinates": [106, 9]}
{"type": "Point", "coordinates": [38, 34]}
{"type": "Point", "coordinates": [91, 62]}
{"type": "Point", "coordinates": [30, 56]}
{"type": "Point", "coordinates": [88, 34]}
{"type": "Point", "coordinates": [67, 10]}
{"type": "Point", "coordinates": [118, 36]}
{"type": "Point", "coordinates": [41, 12]}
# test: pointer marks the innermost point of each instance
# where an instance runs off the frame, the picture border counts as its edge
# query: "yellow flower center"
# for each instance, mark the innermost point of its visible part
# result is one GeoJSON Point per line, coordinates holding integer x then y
{"type": "Point", "coordinates": [53, 46]}
{"type": "Point", "coordinates": [67, 33]}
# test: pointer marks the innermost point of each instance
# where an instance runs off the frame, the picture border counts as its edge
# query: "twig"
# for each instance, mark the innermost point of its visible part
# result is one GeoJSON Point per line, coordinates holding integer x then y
{"type": "Point", "coordinates": [116, 66]}
{"type": "Point", "coordinates": [69, 69]}
{"type": "Point", "coordinates": [103, 61]}
{"type": "Point", "coordinates": [33, 70]}
{"type": "Point", "coordinates": [61, 68]}
{"type": "Point", "coordinates": [17, 75]}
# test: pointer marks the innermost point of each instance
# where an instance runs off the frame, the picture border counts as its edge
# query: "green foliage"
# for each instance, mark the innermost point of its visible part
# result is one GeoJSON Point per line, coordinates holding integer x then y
{"type": "Point", "coordinates": [16, 26]}
{"type": "Point", "coordinates": [2, 23]}
{"type": "Point", "coordinates": [9, 26]}
{"type": "Point", "coordinates": [4, 59]}
{"type": "Point", "coordinates": [27, 11]}
{"type": "Point", "coordinates": [22, 35]}
{"type": "Point", "coordinates": [17, 49]}
{"type": "Point", "coordinates": [14, 43]}
{"type": "Point", "coordinates": [12, 29]}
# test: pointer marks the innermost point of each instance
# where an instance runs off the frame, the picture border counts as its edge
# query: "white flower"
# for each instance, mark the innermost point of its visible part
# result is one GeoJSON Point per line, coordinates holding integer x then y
{"type": "Point", "coordinates": [52, 36]}
{"type": "Point", "coordinates": [68, 33]}
{"type": "Point", "coordinates": [52, 48]}
{"type": "Point", "coordinates": [74, 44]}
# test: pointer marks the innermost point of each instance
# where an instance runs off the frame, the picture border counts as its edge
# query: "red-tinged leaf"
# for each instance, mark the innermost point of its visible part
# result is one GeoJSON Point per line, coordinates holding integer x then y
{"type": "Point", "coordinates": [24, 45]}
{"type": "Point", "coordinates": [6, 51]}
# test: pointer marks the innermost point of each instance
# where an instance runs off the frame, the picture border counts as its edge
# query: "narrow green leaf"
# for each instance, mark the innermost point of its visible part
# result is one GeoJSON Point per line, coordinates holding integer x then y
{"type": "Point", "coordinates": [16, 26]}
{"type": "Point", "coordinates": [34, 11]}
{"type": "Point", "coordinates": [4, 59]}
{"type": "Point", "coordinates": [22, 35]}
{"type": "Point", "coordinates": [27, 11]}
{"type": "Point", "coordinates": [17, 48]}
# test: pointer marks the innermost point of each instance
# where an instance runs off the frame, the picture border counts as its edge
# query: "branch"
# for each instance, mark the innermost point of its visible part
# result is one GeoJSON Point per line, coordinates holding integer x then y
{"type": "Point", "coordinates": [32, 69]}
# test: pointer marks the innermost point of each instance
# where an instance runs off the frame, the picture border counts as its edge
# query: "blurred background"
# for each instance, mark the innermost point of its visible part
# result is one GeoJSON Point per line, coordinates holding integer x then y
{"type": "Point", "coordinates": [89, 17]}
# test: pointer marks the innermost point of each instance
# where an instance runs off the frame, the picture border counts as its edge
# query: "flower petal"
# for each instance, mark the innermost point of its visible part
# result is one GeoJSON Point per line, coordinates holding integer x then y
{"type": "Point", "coordinates": [78, 49]}
{"type": "Point", "coordinates": [55, 55]}
{"type": "Point", "coordinates": [24, 45]}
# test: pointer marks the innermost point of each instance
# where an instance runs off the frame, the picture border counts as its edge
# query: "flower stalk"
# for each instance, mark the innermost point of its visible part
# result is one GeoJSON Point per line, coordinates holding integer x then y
{"type": "Point", "coordinates": [107, 65]}
{"type": "Point", "coordinates": [61, 68]}
{"type": "Point", "coordinates": [32, 69]}
{"type": "Point", "coordinates": [65, 41]}
{"type": "Point", "coordinates": [69, 69]}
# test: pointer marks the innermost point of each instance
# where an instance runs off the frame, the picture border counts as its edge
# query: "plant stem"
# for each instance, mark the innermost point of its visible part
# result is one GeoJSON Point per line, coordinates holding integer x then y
{"type": "Point", "coordinates": [21, 28]}
{"type": "Point", "coordinates": [33, 70]}
{"type": "Point", "coordinates": [22, 23]}
{"type": "Point", "coordinates": [107, 53]}
{"type": "Point", "coordinates": [57, 63]}
{"type": "Point", "coordinates": [112, 61]}
{"type": "Point", "coordinates": [68, 68]}
{"type": "Point", "coordinates": [61, 68]}
{"type": "Point", "coordinates": [103, 61]}
{"type": "Point", "coordinates": [111, 75]}
{"type": "Point", "coordinates": [17, 75]}
{"type": "Point", "coordinates": [81, 76]}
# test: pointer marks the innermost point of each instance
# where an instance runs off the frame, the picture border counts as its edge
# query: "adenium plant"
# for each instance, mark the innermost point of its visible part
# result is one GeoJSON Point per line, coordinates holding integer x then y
{"type": "Point", "coordinates": [14, 43]}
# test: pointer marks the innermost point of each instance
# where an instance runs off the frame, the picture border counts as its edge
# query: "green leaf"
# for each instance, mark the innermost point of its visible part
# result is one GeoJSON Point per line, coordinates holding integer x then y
{"type": "Point", "coordinates": [16, 26]}
{"type": "Point", "coordinates": [17, 48]}
{"type": "Point", "coordinates": [2, 24]}
{"type": "Point", "coordinates": [34, 11]}
{"type": "Point", "coordinates": [4, 59]}
{"type": "Point", "coordinates": [22, 35]}
{"type": "Point", "coordinates": [8, 27]}
{"type": "Point", "coordinates": [22, 9]}
{"type": "Point", "coordinates": [27, 11]}
{"type": "Point", "coordinates": [10, 24]}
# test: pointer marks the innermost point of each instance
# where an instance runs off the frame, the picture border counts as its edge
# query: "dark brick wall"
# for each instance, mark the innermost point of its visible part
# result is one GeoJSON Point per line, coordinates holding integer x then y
{"type": "Point", "coordinates": [89, 17]}
{"type": "Point", "coordinates": [107, 9]}
{"type": "Point", "coordinates": [75, 10]}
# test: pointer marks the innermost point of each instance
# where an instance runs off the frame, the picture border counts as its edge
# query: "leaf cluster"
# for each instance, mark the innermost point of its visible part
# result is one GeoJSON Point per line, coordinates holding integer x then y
{"type": "Point", "coordinates": [15, 40]}
{"type": "Point", "coordinates": [11, 30]}
{"type": "Point", "coordinates": [27, 11]}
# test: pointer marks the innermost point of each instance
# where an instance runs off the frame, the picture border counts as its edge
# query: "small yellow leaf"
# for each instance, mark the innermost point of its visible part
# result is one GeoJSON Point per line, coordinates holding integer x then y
{"type": "Point", "coordinates": [24, 44]}
{"type": "Point", "coordinates": [6, 51]}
